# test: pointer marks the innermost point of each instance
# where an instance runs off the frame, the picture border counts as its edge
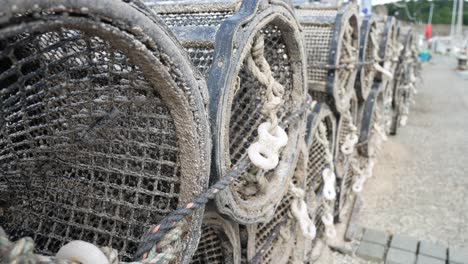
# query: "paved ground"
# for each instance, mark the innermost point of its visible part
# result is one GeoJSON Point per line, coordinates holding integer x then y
{"type": "Point", "coordinates": [420, 187]}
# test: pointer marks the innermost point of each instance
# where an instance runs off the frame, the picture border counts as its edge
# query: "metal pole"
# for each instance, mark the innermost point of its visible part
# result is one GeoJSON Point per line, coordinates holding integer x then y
{"type": "Point", "coordinates": [454, 15]}
{"type": "Point", "coordinates": [460, 18]}
{"type": "Point", "coordinates": [430, 14]}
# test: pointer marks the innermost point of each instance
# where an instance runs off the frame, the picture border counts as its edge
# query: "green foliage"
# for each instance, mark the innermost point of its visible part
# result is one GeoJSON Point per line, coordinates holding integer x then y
{"type": "Point", "coordinates": [420, 11]}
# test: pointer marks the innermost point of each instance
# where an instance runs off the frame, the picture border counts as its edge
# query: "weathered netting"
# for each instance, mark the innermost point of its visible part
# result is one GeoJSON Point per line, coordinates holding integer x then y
{"type": "Point", "coordinates": [75, 108]}
{"type": "Point", "coordinates": [332, 51]}
{"type": "Point", "coordinates": [317, 40]}
{"type": "Point", "coordinates": [200, 51]}
{"type": "Point", "coordinates": [246, 108]}
{"type": "Point", "coordinates": [210, 248]}
{"type": "Point", "coordinates": [317, 163]}
{"type": "Point", "coordinates": [283, 241]}
{"type": "Point", "coordinates": [345, 124]}
{"type": "Point", "coordinates": [195, 19]}
{"type": "Point", "coordinates": [369, 55]}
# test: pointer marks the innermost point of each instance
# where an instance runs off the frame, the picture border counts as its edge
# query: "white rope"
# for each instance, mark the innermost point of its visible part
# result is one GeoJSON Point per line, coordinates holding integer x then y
{"type": "Point", "coordinates": [301, 213]}
{"type": "Point", "coordinates": [351, 138]}
{"type": "Point", "coordinates": [329, 178]}
{"type": "Point", "coordinates": [264, 153]}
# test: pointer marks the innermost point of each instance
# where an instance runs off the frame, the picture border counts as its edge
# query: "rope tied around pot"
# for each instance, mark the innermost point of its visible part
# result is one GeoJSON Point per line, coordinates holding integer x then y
{"type": "Point", "coordinates": [301, 213]}
{"type": "Point", "coordinates": [351, 138]}
{"type": "Point", "coordinates": [329, 178]}
{"type": "Point", "coordinates": [264, 153]}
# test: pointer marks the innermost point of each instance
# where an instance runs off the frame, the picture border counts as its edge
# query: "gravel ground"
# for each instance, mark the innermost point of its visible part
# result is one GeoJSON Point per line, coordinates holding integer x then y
{"type": "Point", "coordinates": [421, 181]}
{"type": "Point", "coordinates": [420, 184]}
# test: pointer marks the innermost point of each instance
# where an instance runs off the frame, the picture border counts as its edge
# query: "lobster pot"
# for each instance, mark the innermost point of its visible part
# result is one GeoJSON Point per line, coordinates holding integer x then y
{"type": "Point", "coordinates": [404, 82]}
{"type": "Point", "coordinates": [312, 162]}
{"type": "Point", "coordinates": [219, 241]}
{"type": "Point", "coordinates": [368, 56]}
{"type": "Point", "coordinates": [221, 38]}
{"type": "Point", "coordinates": [331, 35]}
{"type": "Point", "coordinates": [387, 53]}
{"type": "Point", "coordinates": [347, 128]}
{"type": "Point", "coordinates": [372, 120]}
{"type": "Point", "coordinates": [104, 130]}
{"type": "Point", "coordinates": [280, 239]}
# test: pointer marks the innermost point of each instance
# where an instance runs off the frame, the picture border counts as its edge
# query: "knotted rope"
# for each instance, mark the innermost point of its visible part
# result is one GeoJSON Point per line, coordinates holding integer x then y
{"type": "Point", "coordinates": [329, 193]}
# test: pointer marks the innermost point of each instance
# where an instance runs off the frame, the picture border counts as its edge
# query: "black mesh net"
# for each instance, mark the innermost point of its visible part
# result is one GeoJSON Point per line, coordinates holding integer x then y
{"type": "Point", "coordinates": [88, 149]}
{"type": "Point", "coordinates": [211, 247]}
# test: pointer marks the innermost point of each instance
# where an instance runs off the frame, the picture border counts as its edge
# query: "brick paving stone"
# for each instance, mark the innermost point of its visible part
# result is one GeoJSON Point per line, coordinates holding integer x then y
{"type": "Point", "coordinates": [432, 250]}
{"type": "Point", "coordinates": [458, 255]}
{"type": "Point", "coordinates": [371, 251]}
{"type": "Point", "coordinates": [397, 256]}
{"type": "Point", "coordinates": [404, 242]}
{"type": "Point", "coordinates": [375, 236]}
{"type": "Point", "coordinates": [428, 260]}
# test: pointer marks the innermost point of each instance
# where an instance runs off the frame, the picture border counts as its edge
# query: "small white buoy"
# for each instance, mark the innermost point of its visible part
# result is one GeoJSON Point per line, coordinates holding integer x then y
{"type": "Point", "coordinates": [82, 252]}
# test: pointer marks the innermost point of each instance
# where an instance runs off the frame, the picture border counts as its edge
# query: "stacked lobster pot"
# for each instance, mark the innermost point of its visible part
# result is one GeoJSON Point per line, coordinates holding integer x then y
{"type": "Point", "coordinates": [251, 55]}
{"type": "Point", "coordinates": [331, 36]}
{"type": "Point", "coordinates": [314, 175]}
{"type": "Point", "coordinates": [371, 137]}
{"type": "Point", "coordinates": [103, 131]}
{"type": "Point", "coordinates": [405, 82]}
{"type": "Point", "coordinates": [369, 67]}
{"type": "Point", "coordinates": [389, 53]}
{"type": "Point", "coordinates": [220, 241]}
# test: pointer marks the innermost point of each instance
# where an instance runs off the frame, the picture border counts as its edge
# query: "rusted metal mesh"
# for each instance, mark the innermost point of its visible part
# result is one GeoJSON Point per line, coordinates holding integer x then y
{"type": "Point", "coordinates": [248, 100]}
{"type": "Point", "coordinates": [211, 247]}
{"type": "Point", "coordinates": [88, 149]}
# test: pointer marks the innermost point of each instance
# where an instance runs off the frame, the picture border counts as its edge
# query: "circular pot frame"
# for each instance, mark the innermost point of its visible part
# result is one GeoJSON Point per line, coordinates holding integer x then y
{"type": "Point", "coordinates": [343, 168]}
{"type": "Point", "coordinates": [331, 36]}
{"type": "Point", "coordinates": [371, 114]}
{"type": "Point", "coordinates": [402, 91]}
{"type": "Point", "coordinates": [312, 162]}
{"type": "Point", "coordinates": [234, 106]}
{"type": "Point", "coordinates": [219, 241]}
{"type": "Point", "coordinates": [107, 131]}
{"type": "Point", "coordinates": [367, 50]}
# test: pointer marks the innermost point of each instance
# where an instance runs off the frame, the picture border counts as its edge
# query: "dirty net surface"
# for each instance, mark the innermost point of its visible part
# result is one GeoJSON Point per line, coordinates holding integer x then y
{"type": "Point", "coordinates": [348, 55]}
{"type": "Point", "coordinates": [210, 249]}
{"type": "Point", "coordinates": [314, 181]}
{"type": "Point", "coordinates": [246, 109]}
{"type": "Point", "coordinates": [88, 149]}
{"type": "Point", "coordinates": [317, 40]}
{"type": "Point", "coordinates": [368, 69]}
{"type": "Point", "coordinates": [265, 230]}
{"type": "Point", "coordinates": [201, 53]}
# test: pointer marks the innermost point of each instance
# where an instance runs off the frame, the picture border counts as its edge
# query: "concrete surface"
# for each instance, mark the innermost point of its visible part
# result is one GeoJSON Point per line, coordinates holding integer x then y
{"type": "Point", "coordinates": [420, 187]}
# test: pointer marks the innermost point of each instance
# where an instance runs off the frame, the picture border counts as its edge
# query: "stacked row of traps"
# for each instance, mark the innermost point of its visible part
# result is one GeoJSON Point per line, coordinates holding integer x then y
{"type": "Point", "coordinates": [117, 113]}
{"type": "Point", "coordinates": [104, 132]}
{"type": "Point", "coordinates": [250, 53]}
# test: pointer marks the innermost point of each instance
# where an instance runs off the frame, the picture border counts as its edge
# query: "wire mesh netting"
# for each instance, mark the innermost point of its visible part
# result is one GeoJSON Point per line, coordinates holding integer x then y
{"type": "Point", "coordinates": [210, 248]}
{"type": "Point", "coordinates": [369, 48]}
{"type": "Point", "coordinates": [331, 37]}
{"type": "Point", "coordinates": [88, 147]}
{"type": "Point", "coordinates": [317, 162]}
{"type": "Point", "coordinates": [194, 17]}
{"type": "Point", "coordinates": [246, 108]}
{"type": "Point", "coordinates": [219, 241]}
